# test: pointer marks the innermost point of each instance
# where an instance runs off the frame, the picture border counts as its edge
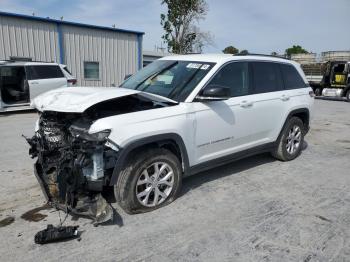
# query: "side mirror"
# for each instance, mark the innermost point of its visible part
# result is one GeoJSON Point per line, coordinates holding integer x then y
{"type": "Point", "coordinates": [127, 76]}
{"type": "Point", "coordinates": [214, 93]}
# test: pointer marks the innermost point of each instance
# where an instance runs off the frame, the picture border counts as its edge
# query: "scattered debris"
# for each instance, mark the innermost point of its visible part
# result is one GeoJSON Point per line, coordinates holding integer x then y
{"type": "Point", "coordinates": [343, 141]}
{"type": "Point", "coordinates": [55, 234]}
{"type": "Point", "coordinates": [33, 215]}
{"type": "Point", "coordinates": [323, 218]}
{"type": "Point", "coordinates": [309, 257]}
{"type": "Point", "coordinates": [7, 221]}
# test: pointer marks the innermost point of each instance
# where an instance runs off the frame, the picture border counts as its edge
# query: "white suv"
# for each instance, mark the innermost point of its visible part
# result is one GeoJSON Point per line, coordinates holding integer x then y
{"type": "Point", "coordinates": [178, 116]}
{"type": "Point", "coordinates": [21, 82]}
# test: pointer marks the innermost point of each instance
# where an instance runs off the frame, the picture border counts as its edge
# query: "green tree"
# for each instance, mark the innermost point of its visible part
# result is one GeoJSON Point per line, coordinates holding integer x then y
{"type": "Point", "coordinates": [295, 49]}
{"type": "Point", "coordinates": [244, 52]}
{"type": "Point", "coordinates": [181, 34]}
{"type": "Point", "coordinates": [230, 50]}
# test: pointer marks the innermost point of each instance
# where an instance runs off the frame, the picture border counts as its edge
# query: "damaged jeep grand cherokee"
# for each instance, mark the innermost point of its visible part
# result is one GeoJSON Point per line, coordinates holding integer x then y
{"type": "Point", "coordinates": [178, 116]}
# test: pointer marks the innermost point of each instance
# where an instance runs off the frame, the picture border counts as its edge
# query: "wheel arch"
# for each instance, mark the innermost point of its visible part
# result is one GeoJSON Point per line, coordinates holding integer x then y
{"type": "Point", "coordinates": [303, 114]}
{"type": "Point", "coordinates": [171, 141]}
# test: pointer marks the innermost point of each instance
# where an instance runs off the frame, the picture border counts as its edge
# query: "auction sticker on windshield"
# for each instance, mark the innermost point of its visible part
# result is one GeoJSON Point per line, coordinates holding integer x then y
{"type": "Point", "coordinates": [194, 65]}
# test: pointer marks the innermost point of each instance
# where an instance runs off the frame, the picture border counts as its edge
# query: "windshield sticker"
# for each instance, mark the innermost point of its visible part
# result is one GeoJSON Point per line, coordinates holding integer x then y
{"type": "Point", "coordinates": [205, 67]}
{"type": "Point", "coordinates": [194, 65]}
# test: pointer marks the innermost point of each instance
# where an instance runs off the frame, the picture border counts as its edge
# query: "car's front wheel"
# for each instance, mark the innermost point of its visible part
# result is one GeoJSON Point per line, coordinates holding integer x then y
{"type": "Point", "coordinates": [151, 179]}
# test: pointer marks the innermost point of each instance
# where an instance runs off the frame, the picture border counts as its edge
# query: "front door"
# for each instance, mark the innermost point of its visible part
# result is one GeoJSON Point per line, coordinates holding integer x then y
{"type": "Point", "coordinates": [224, 127]}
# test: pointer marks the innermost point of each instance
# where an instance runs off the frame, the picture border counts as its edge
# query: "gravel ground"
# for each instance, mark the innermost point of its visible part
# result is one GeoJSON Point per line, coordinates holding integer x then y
{"type": "Point", "coordinates": [257, 209]}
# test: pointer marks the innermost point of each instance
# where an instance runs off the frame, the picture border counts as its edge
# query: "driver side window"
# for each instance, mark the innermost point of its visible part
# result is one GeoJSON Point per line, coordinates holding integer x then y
{"type": "Point", "coordinates": [235, 76]}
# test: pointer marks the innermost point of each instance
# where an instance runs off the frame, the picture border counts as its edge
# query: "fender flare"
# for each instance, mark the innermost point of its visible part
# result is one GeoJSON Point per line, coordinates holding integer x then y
{"type": "Point", "coordinates": [294, 112]}
{"type": "Point", "coordinates": [124, 151]}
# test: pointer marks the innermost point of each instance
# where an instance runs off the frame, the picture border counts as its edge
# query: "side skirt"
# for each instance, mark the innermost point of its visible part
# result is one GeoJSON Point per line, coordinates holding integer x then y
{"type": "Point", "coordinates": [230, 158]}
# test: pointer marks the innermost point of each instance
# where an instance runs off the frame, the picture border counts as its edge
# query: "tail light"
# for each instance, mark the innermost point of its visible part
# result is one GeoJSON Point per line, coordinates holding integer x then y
{"type": "Point", "coordinates": [312, 94]}
{"type": "Point", "coordinates": [72, 81]}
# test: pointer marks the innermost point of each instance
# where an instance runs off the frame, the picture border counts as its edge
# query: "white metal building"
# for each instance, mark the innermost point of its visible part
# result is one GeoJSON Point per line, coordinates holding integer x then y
{"type": "Point", "coordinates": [150, 56]}
{"type": "Point", "coordinates": [96, 55]}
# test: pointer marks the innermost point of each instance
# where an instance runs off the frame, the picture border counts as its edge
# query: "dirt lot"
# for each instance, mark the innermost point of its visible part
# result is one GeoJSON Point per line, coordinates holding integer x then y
{"type": "Point", "coordinates": [257, 209]}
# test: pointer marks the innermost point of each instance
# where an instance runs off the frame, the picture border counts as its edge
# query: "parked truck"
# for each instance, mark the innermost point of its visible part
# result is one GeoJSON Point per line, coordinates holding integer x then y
{"type": "Point", "coordinates": [329, 79]}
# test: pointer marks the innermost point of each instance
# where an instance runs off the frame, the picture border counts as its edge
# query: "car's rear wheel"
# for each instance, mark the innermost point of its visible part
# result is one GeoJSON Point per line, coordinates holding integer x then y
{"type": "Point", "coordinates": [290, 141]}
{"type": "Point", "coordinates": [150, 179]}
{"type": "Point", "coordinates": [347, 95]}
{"type": "Point", "coordinates": [318, 91]}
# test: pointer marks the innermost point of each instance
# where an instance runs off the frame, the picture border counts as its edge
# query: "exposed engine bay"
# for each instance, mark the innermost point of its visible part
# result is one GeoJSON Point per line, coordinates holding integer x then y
{"type": "Point", "coordinates": [74, 167]}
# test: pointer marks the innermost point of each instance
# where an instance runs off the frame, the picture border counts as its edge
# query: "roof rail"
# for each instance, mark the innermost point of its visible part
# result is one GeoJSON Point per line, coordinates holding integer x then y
{"type": "Point", "coordinates": [25, 61]}
{"type": "Point", "coordinates": [276, 56]}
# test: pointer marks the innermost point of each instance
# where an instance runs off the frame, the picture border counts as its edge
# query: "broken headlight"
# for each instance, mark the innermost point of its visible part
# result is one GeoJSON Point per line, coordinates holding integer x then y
{"type": "Point", "coordinates": [83, 134]}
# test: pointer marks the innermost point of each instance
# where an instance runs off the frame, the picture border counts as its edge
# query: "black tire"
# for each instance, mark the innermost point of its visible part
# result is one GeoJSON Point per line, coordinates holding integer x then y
{"type": "Point", "coordinates": [318, 91]}
{"type": "Point", "coordinates": [125, 189]}
{"type": "Point", "coordinates": [281, 151]}
{"type": "Point", "coordinates": [347, 95]}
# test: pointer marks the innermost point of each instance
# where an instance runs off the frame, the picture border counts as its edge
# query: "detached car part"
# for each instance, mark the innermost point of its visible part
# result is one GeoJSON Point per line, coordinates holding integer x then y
{"type": "Point", "coordinates": [54, 234]}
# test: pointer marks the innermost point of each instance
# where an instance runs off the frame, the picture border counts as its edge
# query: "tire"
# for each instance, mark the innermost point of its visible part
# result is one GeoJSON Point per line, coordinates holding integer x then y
{"type": "Point", "coordinates": [134, 198]}
{"type": "Point", "coordinates": [284, 151]}
{"type": "Point", "coordinates": [347, 95]}
{"type": "Point", "coordinates": [318, 91]}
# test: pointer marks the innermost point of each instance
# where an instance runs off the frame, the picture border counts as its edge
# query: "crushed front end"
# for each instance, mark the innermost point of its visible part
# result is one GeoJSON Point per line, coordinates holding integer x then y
{"type": "Point", "coordinates": [73, 167]}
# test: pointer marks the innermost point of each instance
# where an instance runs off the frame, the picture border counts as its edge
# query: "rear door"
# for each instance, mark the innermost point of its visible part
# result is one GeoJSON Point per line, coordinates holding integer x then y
{"type": "Point", "coordinates": [296, 89]}
{"type": "Point", "coordinates": [271, 101]}
{"type": "Point", "coordinates": [42, 78]}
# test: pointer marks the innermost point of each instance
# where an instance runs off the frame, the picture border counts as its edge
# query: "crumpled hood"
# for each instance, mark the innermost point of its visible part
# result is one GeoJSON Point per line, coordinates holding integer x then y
{"type": "Point", "coordinates": [78, 99]}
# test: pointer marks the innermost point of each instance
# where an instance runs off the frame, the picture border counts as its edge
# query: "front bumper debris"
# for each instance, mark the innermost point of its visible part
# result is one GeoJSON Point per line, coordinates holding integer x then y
{"type": "Point", "coordinates": [87, 204]}
{"type": "Point", "coordinates": [72, 172]}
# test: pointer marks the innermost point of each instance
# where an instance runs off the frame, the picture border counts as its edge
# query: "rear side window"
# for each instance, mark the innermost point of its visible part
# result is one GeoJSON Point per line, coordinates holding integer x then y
{"type": "Point", "coordinates": [291, 77]}
{"type": "Point", "coordinates": [44, 72]}
{"type": "Point", "coordinates": [66, 69]}
{"type": "Point", "coordinates": [267, 77]}
{"type": "Point", "coordinates": [235, 76]}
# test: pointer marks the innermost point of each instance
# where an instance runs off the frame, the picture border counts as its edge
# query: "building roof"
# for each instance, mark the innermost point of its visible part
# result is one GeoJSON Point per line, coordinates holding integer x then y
{"type": "Point", "coordinates": [62, 22]}
{"type": "Point", "coordinates": [154, 53]}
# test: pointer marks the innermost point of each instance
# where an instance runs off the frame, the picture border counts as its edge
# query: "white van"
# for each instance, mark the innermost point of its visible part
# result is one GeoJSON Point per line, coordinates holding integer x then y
{"type": "Point", "coordinates": [20, 82]}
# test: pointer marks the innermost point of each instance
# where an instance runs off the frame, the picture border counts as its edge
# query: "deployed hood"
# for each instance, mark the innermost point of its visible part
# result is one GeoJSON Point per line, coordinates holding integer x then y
{"type": "Point", "coordinates": [78, 99]}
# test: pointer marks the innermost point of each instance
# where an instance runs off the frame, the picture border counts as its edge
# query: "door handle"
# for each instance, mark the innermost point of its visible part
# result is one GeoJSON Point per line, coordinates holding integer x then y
{"type": "Point", "coordinates": [284, 98]}
{"type": "Point", "coordinates": [246, 104]}
{"type": "Point", "coordinates": [34, 82]}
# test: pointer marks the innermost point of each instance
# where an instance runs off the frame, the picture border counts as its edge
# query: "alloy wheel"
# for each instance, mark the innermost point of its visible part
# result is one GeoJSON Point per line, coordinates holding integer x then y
{"type": "Point", "coordinates": [155, 184]}
{"type": "Point", "coordinates": [293, 139]}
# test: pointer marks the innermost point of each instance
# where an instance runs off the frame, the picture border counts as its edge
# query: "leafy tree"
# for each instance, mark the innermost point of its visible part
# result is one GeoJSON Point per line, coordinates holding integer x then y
{"type": "Point", "coordinates": [230, 50]}
{"type": "Point", "coordinates": [244, 52]}
{"type": "Point", "coordinates": [274, 53]}
{"type": "Point", "coordinates": [181, 34]}
{"type": "Point", "coordinates": [295, 49]}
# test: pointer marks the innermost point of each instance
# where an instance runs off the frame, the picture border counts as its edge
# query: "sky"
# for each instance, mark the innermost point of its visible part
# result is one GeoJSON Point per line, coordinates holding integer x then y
{"type": "Point", "coordinates": [260, 26]}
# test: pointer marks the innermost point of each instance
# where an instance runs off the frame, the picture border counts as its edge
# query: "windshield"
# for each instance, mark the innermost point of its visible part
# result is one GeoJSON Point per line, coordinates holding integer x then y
{"type": "Point", "coordinates": [169, 78]}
